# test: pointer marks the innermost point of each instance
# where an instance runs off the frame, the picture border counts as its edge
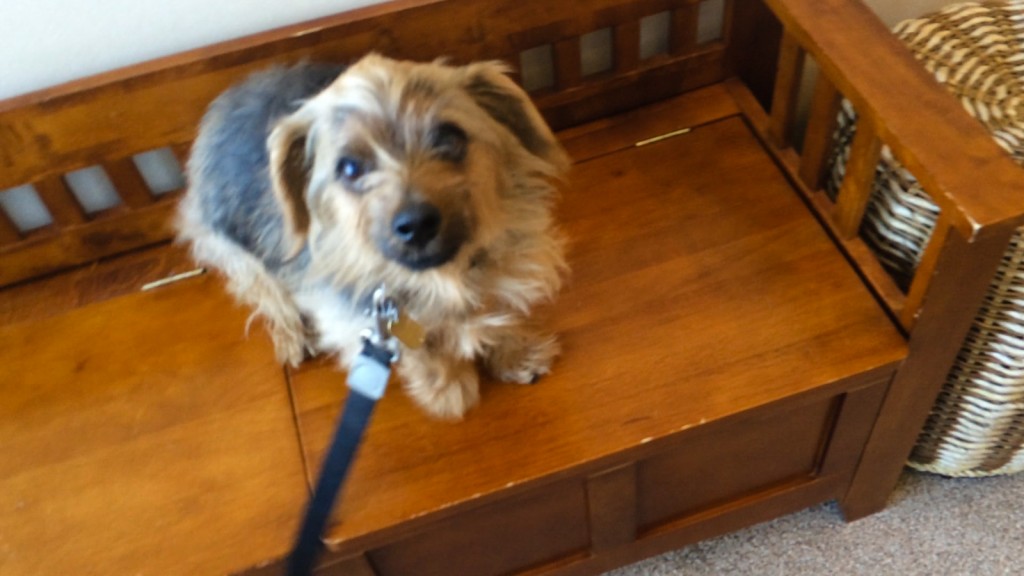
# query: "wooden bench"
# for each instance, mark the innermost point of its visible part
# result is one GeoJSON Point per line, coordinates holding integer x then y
{"type": "Point", "coordinates": [733, 352]}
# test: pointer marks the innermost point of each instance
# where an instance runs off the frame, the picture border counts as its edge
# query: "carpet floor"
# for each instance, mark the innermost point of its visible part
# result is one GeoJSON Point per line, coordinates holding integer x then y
{"type": "Point", "coordinates": [934, 526]}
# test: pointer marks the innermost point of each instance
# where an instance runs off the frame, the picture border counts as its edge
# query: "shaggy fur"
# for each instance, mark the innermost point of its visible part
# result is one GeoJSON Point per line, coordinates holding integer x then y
{"type": "Point", "coordinates": [311, 186]}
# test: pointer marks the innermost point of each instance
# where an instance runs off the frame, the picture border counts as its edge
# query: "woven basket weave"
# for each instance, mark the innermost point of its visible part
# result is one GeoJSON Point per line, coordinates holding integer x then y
{"type": "Point", "coordinates": [977, 50]}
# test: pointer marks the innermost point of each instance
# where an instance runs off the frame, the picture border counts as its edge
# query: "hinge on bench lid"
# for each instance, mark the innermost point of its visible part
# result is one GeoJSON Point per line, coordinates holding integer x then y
{"type": "Point", "coordinates": [664, 136]}
{"type": "Point", "coordinates": [173, 279]}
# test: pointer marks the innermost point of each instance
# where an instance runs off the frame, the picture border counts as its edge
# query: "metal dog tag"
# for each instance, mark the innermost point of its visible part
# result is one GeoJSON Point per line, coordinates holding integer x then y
{"type": "Point", "coordinates": [408, 331]}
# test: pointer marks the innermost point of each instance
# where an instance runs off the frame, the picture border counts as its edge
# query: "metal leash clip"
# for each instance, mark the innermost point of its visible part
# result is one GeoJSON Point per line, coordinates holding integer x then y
{"type": "Point", "coordinates": [384, 312]}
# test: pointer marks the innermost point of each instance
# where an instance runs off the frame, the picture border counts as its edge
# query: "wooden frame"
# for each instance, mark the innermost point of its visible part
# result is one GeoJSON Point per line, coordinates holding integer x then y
{"type": "Point", "coordinates": [850, 431]}
{"type": "Point", "coordinates": [946, 150]}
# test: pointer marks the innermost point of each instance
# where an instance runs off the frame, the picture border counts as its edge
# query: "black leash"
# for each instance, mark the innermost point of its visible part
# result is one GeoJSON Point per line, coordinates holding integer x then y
{"type": "Point", "coordinates": [367, 380]}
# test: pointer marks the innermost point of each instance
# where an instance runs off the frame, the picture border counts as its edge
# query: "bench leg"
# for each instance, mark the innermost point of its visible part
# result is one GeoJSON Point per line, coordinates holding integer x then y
{"type": "Point", "coordinates": [957, 288]}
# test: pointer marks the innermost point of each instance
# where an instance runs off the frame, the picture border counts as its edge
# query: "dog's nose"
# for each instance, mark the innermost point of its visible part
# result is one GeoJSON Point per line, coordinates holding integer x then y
{"type": "Point", "coordinates": [417, 224]}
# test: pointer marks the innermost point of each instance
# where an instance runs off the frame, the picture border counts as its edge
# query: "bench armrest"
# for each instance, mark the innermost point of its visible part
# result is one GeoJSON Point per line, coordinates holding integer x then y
{"type": "Point", "coordinates": [973, 181]}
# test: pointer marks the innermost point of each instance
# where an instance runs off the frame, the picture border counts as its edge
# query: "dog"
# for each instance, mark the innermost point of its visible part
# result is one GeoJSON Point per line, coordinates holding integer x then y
{"type": "Point", "coordinates": [312, 185]}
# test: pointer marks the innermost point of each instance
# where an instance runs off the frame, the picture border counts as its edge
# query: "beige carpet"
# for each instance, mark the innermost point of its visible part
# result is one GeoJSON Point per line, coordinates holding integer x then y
{"type": "Point", "coordinates": [933, 526]}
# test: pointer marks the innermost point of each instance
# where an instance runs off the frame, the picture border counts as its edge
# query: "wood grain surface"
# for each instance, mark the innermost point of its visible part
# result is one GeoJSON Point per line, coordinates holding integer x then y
{"type": "Point", "coordinates": [145, 435]}
{"type": "Point", "coordinates": [702, 288]}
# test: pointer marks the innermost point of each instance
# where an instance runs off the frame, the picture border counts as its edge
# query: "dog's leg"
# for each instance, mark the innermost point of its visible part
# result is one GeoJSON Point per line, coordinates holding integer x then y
{"type": "Point", "coordinates": [444, 386]}
{"type": "Point", "coordinates": [520, 355]}
{"type": "Point", "coordinates": [251, 284]}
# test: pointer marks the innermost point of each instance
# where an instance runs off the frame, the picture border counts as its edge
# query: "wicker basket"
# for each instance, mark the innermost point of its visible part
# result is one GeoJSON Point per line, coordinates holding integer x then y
{"type": "Point", "coordinates": [977, 50]}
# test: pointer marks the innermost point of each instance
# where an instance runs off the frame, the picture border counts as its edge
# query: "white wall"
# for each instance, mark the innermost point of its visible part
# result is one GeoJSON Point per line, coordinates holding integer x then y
{"type": "Point", "coordinates": [46, 42]}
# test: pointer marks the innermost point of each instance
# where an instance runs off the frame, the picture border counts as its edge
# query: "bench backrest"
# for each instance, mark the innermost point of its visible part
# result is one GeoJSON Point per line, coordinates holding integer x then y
{"type": "Point", "coordinates": [581, 60]}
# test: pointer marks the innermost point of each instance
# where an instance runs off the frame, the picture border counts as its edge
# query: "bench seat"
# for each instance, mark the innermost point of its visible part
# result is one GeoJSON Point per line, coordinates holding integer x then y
{"type": "Point", "coordinates": [722, 365]}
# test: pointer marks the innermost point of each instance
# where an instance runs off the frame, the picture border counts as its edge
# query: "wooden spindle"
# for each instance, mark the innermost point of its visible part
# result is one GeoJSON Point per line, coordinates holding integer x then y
{"type": "Point", "coordinates": [626, 43]}
{"type": "Point", "coordinates": [859, 180]}
{"type": "Point", "coordinates": [60, 201]}
{"type": "Point", "coordinates": [821, 125]}
{"type": "Point", "coordinates": [8, 231]}
{"type": "Point", "coordinates": [129, 183]}
{"type": "Point", "coordinates": [728, 13]}
{"type": "Point", "coordinates": [567, 63]}
{"type": "Point", "coordinates": [787, 88]}
{"type": "Point", "coordinates": [682, 36]}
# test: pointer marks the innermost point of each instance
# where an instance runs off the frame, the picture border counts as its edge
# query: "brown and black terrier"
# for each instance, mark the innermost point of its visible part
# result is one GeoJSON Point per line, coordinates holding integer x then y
{"type": "Point", "coordinates": [311, 186]}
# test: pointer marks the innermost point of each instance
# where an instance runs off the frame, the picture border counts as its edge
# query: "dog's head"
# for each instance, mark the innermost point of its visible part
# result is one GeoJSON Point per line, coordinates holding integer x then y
{"type": "Point", "coordinates": [407, 166]}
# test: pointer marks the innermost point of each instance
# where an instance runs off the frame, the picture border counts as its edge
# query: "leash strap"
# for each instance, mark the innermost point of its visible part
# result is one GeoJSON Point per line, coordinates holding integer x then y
{"type": "Point", "coordinates": [367, 380]}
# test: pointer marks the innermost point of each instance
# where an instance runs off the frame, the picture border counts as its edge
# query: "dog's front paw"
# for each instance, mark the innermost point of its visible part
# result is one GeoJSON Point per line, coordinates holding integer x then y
{"type": "Point", "coordinates": [445, 389]}
{"type": "Point", "coordinates": [289, 340]}
{"type": "Point", "coordinates": [522, 358]}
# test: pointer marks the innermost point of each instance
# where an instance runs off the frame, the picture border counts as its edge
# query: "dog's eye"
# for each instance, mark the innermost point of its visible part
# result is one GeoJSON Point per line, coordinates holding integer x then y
{"type": "Point", "coordinates": [350, 168]}
{"type": "Point", "coordinates": [450, 142]}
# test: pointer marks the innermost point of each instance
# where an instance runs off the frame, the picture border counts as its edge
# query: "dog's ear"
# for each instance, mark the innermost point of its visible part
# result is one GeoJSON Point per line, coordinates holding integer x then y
{"type": "Point", "coordinates": [489, 85]}
{"type": "Point", "coordinates": [290, 166]}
